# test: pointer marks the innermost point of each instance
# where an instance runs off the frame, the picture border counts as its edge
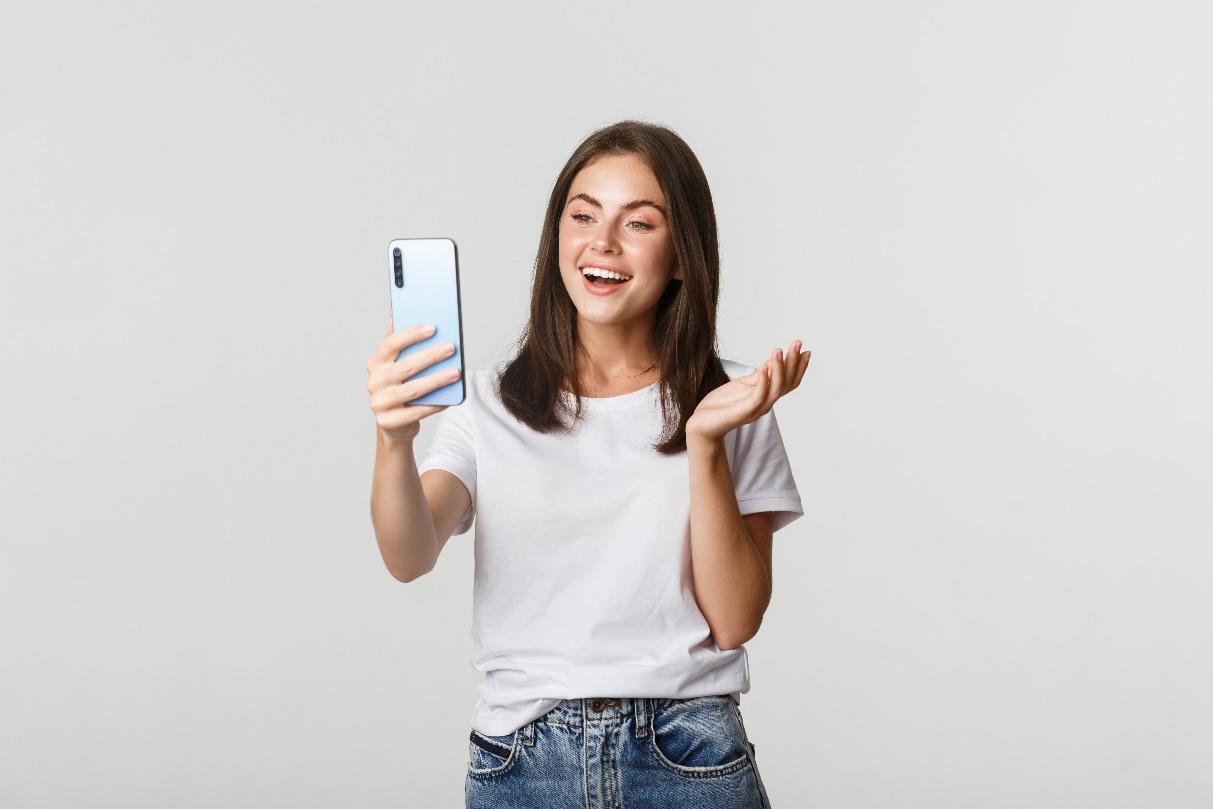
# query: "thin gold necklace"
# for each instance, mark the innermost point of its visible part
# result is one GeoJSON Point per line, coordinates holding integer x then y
{"type": "Point", "coordinates": [622, 376]}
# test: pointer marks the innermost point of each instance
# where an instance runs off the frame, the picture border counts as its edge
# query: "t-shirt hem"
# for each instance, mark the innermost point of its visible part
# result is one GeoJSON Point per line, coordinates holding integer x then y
{"type": "Point", "coordinates": [728, 672]}
{"type": "Point", "coordinates": [787, 508]}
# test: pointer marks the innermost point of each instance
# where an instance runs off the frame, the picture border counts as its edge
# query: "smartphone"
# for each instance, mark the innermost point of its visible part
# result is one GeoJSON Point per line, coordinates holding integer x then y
{"type": "Point", "coordinates": [424, 279]}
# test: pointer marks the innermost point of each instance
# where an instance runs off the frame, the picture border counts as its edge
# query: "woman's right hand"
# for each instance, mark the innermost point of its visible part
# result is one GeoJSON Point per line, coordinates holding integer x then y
{"type": "Point", "coordinates": [391, 383]}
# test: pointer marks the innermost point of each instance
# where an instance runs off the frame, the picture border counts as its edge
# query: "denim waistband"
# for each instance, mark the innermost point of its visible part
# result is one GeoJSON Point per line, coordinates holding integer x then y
{"type": "Point", "coordinates": [574, 712]}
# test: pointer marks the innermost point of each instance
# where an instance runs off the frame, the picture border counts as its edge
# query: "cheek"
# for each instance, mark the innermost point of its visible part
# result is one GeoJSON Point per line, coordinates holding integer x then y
{"type": "Point", "coordinates": [656, 254]}
{"type": "Point", "coordinates": [568, 250]}
{"type": "Point", "coordinates": [569, 240]}
{"type": "Point", "coordinates": [570, 234]}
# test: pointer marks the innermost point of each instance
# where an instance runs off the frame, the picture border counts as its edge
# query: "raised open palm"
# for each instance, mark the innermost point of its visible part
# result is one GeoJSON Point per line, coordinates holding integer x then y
{"type": "Point", "coordinates": [748, 398]}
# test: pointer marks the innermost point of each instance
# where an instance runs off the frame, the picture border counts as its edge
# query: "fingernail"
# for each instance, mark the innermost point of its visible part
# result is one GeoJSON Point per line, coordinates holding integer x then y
{"type": "Point", "coordinates": [429, 329]}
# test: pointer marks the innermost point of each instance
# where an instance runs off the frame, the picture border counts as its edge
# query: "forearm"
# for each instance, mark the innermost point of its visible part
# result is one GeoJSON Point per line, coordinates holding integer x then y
{"type": "Point", "coordinates": [404, 526]}
{"type": "Point", "coordinates": [731, 583]}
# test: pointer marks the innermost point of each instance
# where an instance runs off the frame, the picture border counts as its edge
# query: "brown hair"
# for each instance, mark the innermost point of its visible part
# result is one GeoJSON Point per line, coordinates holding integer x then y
{"type": "Point", "coordinates": [685, 330]}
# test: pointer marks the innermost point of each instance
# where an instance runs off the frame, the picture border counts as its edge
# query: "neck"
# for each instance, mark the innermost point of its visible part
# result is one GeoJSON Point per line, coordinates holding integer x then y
{"type": "Point", "coordinates": [616, 354]}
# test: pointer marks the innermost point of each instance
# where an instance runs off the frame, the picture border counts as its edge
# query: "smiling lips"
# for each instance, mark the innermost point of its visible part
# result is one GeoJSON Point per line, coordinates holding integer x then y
{"type": "Point", "coordinates": [602, 288]}
{"type": "Point", "coordinates": [605, 267]}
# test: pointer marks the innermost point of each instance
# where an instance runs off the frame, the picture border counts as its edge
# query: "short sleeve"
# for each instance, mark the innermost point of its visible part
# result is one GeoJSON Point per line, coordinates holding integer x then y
{"type": "Point", "coordinates": [762, 475]}
{"type": "Point", "coordinates": [453, 449]}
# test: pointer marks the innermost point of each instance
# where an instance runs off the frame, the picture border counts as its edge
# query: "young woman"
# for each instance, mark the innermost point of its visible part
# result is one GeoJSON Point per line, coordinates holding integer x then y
{"type": "Point", "coordinates": [627, 482]}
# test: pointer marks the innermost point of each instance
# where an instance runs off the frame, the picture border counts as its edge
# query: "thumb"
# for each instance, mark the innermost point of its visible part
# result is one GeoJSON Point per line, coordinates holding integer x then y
{"type": "Point", "coordinates": [389, 327]}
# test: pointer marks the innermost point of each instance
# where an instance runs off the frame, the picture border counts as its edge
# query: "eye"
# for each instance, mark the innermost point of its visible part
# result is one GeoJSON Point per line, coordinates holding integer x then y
{"type": "Point", "coordinates": [583, 218]}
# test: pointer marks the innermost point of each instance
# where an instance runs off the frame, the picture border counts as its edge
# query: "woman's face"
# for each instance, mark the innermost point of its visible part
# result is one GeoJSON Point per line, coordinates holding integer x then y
{"type": "Point", "coordinates": [602, 225]}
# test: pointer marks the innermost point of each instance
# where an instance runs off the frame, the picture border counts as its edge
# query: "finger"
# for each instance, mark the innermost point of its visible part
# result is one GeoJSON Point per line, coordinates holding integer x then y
{"type": "Point", "coordinates": [758, 393]}
{"type": "Point", "coordinates": [762, 384]}
{"type": "Point", "coordinates": [417, 386]}
{"type": "Point", "coordinates": [389, 326]}
{"type": "Point", "coordinates": [427, 359]}
{"type": "Point", "coordinates": [791, 363]}
{"type": "Point", "coordinates": [399, 416]}
{"type": "Point", "coordinates": [418, 363]}
{"type": "Point", "coordinates": [400, 393]}
{"type": "Point", "coordinates": [803, 361]}
{"type": "Point", "coordinates": [393, 342]}
{"type": "Point", "coordinates": [777, 380]}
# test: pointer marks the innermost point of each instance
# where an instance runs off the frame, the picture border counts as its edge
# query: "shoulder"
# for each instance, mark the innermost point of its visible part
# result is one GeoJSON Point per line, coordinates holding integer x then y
{"type": "Point", "coordinates": [763, 430]}
{"type": "Point", "coordinates": [483, 378]}
{"type": "Point", "coordinates": [481, 383]}
{"type": "Point", "coordinates": [475, 392]}
{"type": "Point", "coordinates": [735, 369]}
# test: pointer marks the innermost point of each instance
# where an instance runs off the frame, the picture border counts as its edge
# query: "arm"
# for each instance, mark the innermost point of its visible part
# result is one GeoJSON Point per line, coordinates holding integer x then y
{"type": "Point", "coordinates": [730, 553]}
{"type": "Point", "coordinates": [413, 515]}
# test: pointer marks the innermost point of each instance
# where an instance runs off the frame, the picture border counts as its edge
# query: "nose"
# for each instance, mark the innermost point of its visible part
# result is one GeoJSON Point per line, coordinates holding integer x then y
{"type": "Point", "coordinates": [603, 242]}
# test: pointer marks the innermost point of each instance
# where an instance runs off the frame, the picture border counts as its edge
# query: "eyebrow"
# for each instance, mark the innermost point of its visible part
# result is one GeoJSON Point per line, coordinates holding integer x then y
{"type": "Point", "coordinates": [636, 203]}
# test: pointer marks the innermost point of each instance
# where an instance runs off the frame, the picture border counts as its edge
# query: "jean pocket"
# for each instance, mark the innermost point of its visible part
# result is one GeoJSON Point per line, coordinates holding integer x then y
{"type": "Point", "coordinates": [741, 724]}
{"type": "Point", "coordinates": [490, 756]}
{"type": "Point", "coordinates": [699, 738]}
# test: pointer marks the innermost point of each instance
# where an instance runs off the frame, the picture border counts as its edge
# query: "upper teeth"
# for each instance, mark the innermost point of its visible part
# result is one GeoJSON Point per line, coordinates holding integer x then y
{"type": "Point", "coordinates": [601, 273]}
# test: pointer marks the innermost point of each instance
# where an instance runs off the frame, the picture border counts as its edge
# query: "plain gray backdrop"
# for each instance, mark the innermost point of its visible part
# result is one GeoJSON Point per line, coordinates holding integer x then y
{"type": "Point", "coordinates": [989, 222]}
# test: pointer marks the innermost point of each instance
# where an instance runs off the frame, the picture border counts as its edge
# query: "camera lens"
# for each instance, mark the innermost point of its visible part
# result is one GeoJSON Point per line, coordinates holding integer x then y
{"type": "Point", "coordinates": [396, 252]}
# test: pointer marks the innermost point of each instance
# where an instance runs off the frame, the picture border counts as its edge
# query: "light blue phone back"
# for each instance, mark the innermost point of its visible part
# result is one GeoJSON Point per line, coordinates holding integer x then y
{"type": "Point", "coordinates": [430, 295]}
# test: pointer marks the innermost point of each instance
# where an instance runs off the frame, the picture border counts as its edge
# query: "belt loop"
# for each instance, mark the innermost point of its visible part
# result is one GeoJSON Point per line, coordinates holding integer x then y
{"type": "Point", "coordinates": [640, 707]}
{"type": "Point", "coordinates": [528, 734]}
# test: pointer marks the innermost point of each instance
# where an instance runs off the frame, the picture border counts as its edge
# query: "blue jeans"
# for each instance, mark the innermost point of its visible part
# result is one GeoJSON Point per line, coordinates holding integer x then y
{"type": "Point", "coordinates": [619, 754]}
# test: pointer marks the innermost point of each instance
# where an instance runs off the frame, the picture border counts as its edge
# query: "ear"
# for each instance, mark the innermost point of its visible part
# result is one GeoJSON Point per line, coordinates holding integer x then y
{"type": "Point", "coordinates": [677, 274]}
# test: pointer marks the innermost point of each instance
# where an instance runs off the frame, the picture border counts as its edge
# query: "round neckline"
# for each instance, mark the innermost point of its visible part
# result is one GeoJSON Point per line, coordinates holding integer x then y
{"type": "Point", "coordinates": [636, 397]}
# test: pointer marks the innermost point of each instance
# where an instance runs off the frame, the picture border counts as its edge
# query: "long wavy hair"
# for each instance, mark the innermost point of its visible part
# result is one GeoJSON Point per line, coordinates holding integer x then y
{"type": "Point", "coordinates": [530, 384]}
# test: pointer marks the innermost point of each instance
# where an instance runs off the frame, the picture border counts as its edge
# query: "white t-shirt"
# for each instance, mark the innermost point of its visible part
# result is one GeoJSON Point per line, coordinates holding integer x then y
{"type": "Point", "coordinates": [582, 584]}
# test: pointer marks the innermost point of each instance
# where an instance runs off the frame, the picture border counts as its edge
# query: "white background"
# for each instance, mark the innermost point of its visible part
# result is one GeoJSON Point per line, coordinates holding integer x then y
{"type": "Point", "coordinates": [989, 221]}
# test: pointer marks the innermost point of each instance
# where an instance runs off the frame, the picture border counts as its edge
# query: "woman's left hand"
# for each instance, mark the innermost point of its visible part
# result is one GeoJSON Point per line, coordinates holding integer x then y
{"type": "Point", "coordinates": [748, 398]}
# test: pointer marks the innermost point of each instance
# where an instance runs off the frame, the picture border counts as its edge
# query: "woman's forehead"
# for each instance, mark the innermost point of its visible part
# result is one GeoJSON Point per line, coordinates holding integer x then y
{"type": "Point", "coordinates": [618, 179]}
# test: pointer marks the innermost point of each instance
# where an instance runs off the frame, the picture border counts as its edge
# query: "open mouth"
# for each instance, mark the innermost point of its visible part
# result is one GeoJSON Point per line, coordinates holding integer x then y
{"type": "Point", "coordinates": [601, 286]}
{"type": "Point", "coordinates": [599, 281]}
{"type": "Point", "coordinates": [600, 276]}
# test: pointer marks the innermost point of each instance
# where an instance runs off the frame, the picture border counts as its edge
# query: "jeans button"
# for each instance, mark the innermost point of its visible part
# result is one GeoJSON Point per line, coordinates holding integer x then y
{"type": "Point", "coordinates": [596, 705]}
